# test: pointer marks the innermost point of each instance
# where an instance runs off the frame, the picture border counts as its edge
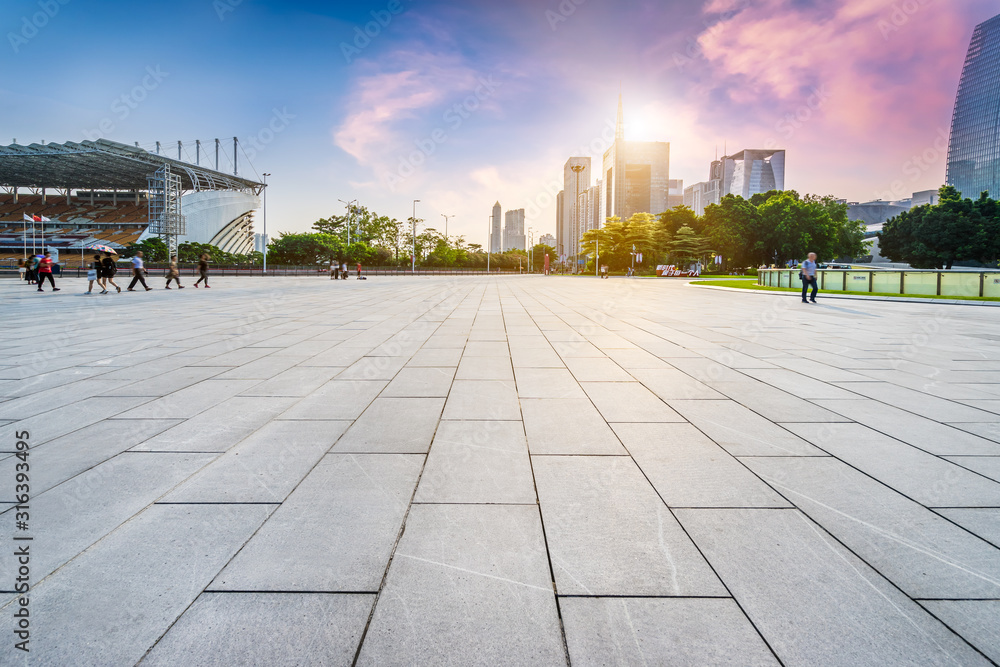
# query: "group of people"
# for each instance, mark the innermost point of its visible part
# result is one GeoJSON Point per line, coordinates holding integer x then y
{"type": "Point", "coordinates": [36, 270]}
{"type": "Point", "coordinates": [340, 272]}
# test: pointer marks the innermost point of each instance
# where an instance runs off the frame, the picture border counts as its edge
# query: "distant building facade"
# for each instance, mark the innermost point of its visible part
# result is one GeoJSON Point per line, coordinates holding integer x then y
{"type": "Point", "coordinates": [496, 229]}
{"type": "Point", "coordinates": [744, 174]}
{"type": "Point", "coordinates": [573, 182]}
{"type": "Point", "coordinates": [974, 148]}
{"type": "Point", "coordinates": [513, 231]}
{"type": "Point", "coordinates": [547, 239]}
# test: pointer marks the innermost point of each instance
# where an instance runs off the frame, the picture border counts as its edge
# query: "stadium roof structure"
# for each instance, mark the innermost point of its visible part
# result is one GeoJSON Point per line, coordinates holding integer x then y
{"type": "Point", "coordinates": [104, 165]}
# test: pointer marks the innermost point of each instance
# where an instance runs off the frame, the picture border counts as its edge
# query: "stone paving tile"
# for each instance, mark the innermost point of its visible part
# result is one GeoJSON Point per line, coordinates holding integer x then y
{"type": "Point", "coordinates": [547, 383]}
{"type": "Point", "coordinates": [689, 470]}
{"type": "Point", "coordinates": [610, 534]}
{"type": "Point", "coordinates": [435, 357]}
{"type": "Point", "coordinates": [661, 631]}
{"type": "Point", "coordinates": [929, 435]}
{"type": "Point", "coordinates": [987, 431]}
{"type": "Point", "coordinates": [669, 383]}
{"type": "Point", "coordinates": [336, 400]}
{"type": "Point", "coordinates": [918, 402]}
{"type": "Point", "coordinates": [478, 462]}
{"type": "Point", "coordinates": [482, 400]}
{"type": "Point", "coordinates": [189, 401]}
{"type": "Point", "coordinates": [925, 555]}
{"type": "Point", "coordinates": [302, 629]}
{"type": "Point", "coordinates": [930, 480]}
{"type": "Point", "coordinates": [602, 369]}
{"type": "Point", "coordinates": [138, 581]}
{"type": "Point", "coordinates": [984, 522]}
{"type": "Point", "coordinates": [421, 383]}
{"type": "Point", "coordinates": [987, 466]}
{"type": "Point", "coordinates": [774, 404]}
{"type": "Point", "coordinates": [568, 426]}
{"type": "Point", "coordinates": [217, 429]}
{"type": "Point", "coordinates": [811, 599]}
{"type": "Point", "coordinates": [975, 620]}
{"type": "Point", "coordinates": [394, 426]}
{"type": "Point", "coordinates": [485, 368]}
{"type": "Point", "coordinates": [469, 584]}
{"type": "Point", "coordinates": [264, 468]}
{"type": "Point", "coordinates": [296, 382]}
{"type": "Point", "coordinates": [742, 432]}
{"type": "Point", "coordinates": [343, 520]}
{"type": "Point", "coordinates": [628, 402]}
{"type": "Point", "coordinates": [75, 416]}
{"type": "Point", "coordinates": [166, 383]}
{"type": "Point", "coordinates": [79, 512]}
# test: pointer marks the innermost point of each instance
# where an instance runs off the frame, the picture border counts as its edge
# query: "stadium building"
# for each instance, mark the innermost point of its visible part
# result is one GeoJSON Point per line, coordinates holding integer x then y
{"type": "Point", "coordinates": [65, 197]}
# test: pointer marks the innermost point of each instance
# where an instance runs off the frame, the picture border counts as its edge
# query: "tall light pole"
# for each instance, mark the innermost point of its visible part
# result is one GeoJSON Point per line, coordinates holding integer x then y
{"type": "Point", "coordinates": [413, 257]}
{"type": "Point", "coordinates": [531, 247]}
{"type": "Point", "coordinates": [489, 244]}
{"type": "Point", "coordinates": [446, 226]}
{"type": "Point", "coordinates": [263, 244]}
{"type": "Point", "coordinates": [350, 216]}
{"type": "Point", "coordinates": [577, 168]}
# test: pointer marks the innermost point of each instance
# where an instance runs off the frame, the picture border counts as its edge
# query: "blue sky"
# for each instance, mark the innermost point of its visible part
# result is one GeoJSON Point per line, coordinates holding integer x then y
{"type": "Point", "coordinates": [857, 91]}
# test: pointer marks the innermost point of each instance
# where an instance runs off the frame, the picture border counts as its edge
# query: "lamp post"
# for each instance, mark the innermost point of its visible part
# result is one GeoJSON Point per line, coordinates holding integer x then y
{"type": "Point", "coordinates": [446, 226]}
{"type": "Point", "coordinates": [350, 216]}
{"type": "Point", "coordinates": [413, 258]}
{"type": "Point", "coordinates": [263, 244]}
{"type": "Point", "coordinates": [489, 244]}
{"type": "Point", "coordinates": [531, 247]}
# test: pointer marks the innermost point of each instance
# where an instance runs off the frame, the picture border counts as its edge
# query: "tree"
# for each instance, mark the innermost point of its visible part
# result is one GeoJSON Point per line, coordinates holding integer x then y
{"type": "Point", "coordinates": [615, 240]}
{"type": "Point", "coordinates": [938, 236]}
{"type": "Point", "coordinates": [306, 249]}
{"type": "Point", "coordinates": [733, 227]}
{"type": "Point", "coordinates": [153, 250]}
{"type": "Point", "coordinates": [538, 257]}
{"type": "Point", "coordinates": [686, 247]}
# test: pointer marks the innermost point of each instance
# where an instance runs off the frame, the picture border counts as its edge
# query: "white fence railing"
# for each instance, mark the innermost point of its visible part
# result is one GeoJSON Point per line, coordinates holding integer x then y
{"type": "Point", "coordinates": [927, 283]}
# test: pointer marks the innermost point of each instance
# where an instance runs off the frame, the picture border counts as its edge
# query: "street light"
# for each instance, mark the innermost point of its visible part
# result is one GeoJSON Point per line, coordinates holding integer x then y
{"type": "Point", "coordinates": [350, 216]}
{"type": "Point", "coordinates": [413, 257]}
{"type": "Point", "coordinates": [577, 168]}
{"type": "Point", "coordinates": [531, 247]}
{"type": "Point", "coordinates": [446, 226]}
{"type": "Point", "coordinates": [263, 244]}
{"type": "Point", "coordinates": [489, 244]}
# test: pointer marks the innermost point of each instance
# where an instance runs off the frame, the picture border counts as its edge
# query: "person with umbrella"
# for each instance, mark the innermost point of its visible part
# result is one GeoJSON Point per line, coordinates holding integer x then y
{"type": "Point", "coordinates": [106, 268]}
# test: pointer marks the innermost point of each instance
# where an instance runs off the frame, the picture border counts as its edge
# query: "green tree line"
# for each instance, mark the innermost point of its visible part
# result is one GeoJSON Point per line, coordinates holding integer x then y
{"type": "Point", "coordinates": [940, 235]}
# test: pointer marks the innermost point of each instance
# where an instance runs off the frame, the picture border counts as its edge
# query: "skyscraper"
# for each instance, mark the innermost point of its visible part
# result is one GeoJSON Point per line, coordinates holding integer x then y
{"type": "Point", "coordinates": [513, 230]}
{"type": "Point", "coordinates": [744, 174]}
{"type": "Point", "coordinates": [496, 230]}
{"type": "Point", "coordinates": [636, 174]}
{"type": "Point", "coordinates": [576, 179]}
{"type": "Point", "coordinates": [974, 150]}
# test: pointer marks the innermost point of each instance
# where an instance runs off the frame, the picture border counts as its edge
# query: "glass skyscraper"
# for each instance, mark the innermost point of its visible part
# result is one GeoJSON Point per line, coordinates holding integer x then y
{"type": "Point", "coordinates": [974, 152]}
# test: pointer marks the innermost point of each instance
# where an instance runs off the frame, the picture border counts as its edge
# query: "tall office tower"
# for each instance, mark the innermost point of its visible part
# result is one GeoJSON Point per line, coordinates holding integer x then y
{"type": "Point", "coordinates": [576, 179]}
{"type": "Point", "coordinates": [496, 240]}
{"type": "Point", "coordinates": [560, 244]}
{"type": "Point", "coordinates": [636, 174]}
{"type": "Point", "coordinates": [752, 172]}
{"type": "Point", "coordinates": [974, 150]}
{"type": "Point", "coordinates": [549, 240]}
{"type": "Point", "coordinates": [675, 193]}
{"type": "Point", "coordinates": [513, 231]}
{"type": "Point", "coordinates": [700, 196]}
{"type": "Point", "coordinates": [591, 210]}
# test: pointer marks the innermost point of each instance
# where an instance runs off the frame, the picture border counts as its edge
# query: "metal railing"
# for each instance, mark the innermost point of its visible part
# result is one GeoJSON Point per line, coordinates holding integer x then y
{"type": "Point", "coordinates": [912, 282]}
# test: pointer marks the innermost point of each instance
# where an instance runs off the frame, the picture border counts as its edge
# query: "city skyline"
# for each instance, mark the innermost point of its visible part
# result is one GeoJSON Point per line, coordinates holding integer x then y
{"type": "Point", "coordinates": [461, 106]}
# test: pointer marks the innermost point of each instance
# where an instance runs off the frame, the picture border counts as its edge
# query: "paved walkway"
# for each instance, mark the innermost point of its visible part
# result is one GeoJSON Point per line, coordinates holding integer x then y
{"type": "Point", "coordinates": [520, 471]}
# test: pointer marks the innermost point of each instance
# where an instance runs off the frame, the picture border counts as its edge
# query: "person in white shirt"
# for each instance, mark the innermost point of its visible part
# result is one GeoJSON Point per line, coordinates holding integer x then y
{"type": "Point", "coordinates": [138, 273]}
{"type": "Point", "coordinates": [808, 274]}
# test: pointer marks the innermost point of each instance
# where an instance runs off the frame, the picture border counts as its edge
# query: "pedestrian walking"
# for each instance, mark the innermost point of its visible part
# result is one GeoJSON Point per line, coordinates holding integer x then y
{"type": "Point", "coordinates": [107, 274]}
{"type": "Point", "coordinates": [359, 270]}
{"type": "Point", "coordinates": [343, 270]}
{"type": "Point", "coordinates": [94, 275]}
{"type": "Point", "coordinates": [138, 273]}
{"type": "Point", "coordinates": [202, 270]}
{"type": "Point", "coordinates": [45, 271]}
{"type": "Point", "coordinates": [808, 276]}
{"type": "Point", "coordinates": [174, 274]}
{"type": "Point", "coordinates": [32, 272]}
{"type": "Point", "coordinates": [334, 270]}
{"type": "Point", "coordinates": [22, 269]}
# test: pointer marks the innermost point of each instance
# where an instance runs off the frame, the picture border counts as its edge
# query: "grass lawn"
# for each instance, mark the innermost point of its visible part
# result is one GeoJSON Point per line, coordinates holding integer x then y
{"type": "Point", "coordinates": [751, 283]}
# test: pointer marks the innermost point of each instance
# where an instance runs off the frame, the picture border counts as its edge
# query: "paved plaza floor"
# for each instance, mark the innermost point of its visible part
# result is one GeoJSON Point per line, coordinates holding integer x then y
{"type": "Point", "coordinates": [502, 471]}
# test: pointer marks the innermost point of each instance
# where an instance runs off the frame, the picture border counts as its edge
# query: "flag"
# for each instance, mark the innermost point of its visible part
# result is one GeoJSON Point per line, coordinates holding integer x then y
{"type": "Point", "coordinates": [43, 219]}
{"type": "Point", "coordinates": [37, 218]}
{"type": "Point", "coordinates": [28, 218]}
